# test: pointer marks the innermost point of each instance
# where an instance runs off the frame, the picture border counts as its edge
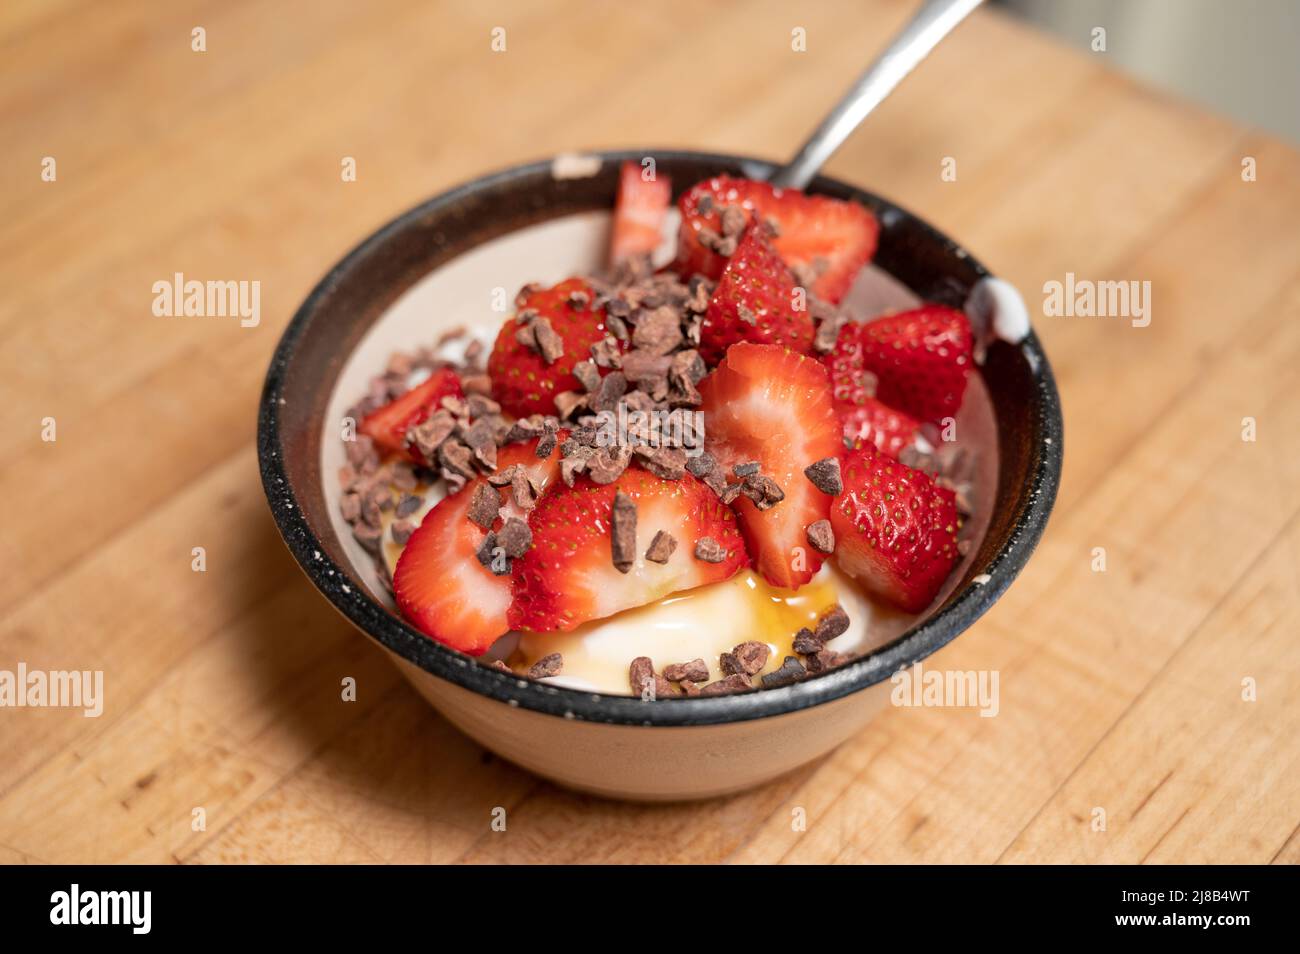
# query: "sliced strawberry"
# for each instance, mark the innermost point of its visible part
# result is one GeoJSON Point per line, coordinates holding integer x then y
{"type": "Point", "coordinates": [388, 425]}
{"type": "Point", "coordinates": [522, 380]}
{"type": "Point", "coordinates": [917, 361]}
{"type": "Point", "coordinates": [830, 236]}
{"type": "Point", "coordinates": [895, 529]}
{"type": "Point", "coordinates": [768, 404]}
{"type": "Point", "coordinates": [440, 585]}
{"type": "Point", "coordinates": [639, 212]}
{"type": "Point", "coordinates": [755, 301]}
{"type": "Point", "coordinates": [877, 422]}
{"type": "Point", "coordinates": [568, 577]}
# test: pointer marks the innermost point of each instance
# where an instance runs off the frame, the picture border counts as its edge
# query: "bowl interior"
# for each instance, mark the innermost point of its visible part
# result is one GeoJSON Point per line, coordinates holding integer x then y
{"type": "Point", "coordinates": [458, 261]}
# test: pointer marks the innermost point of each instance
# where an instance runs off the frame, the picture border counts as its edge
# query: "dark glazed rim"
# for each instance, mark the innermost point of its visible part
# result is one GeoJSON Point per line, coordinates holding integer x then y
{"type": "Point", "coordinates": [1030, 510]}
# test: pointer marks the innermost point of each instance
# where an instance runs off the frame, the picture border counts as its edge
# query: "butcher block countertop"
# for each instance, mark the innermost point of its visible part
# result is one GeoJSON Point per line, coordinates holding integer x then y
{"type": "Point", "coordinates": [1149, 655]}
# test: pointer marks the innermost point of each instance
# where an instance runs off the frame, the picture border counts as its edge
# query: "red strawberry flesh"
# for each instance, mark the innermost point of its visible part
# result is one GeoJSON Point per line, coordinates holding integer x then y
{"type": "Point", "coordinates": [895, 529]}
{"type": "Point", "coordinates": [768, 404]}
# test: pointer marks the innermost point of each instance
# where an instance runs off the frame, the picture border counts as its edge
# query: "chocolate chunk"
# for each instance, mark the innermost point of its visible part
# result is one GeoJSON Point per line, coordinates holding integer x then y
{"type": "Point", "coordinates": [546, 445]}
{"type": "Point", "coordinates": [501, 478]}
{"type": "Point", "coordinates": [587, 374]}
{"type": "Point", "coordinates": [549, 344]}
{"type": "Point", "coordinates": [481, 440]}
{"type": "Point", "coordinates": [484, 506]}
{"type": "Point", "coordinates": [688, 365]}
{"type": "Point", "coordinates": [641, 674]}
{"type": "Point", "coordinates": [359, 450]}
{"type": "Point", "coordinates": [661, 547]}
{"type": "Point", "coordinates": [821, 536]}
{"type": "Point", "coordinates": [763, 490]}
{"type": "Point", "coordinates": [622, 532]}
{"type": "Point", "coordinates": [666, 462]}
{"type": "Point", "coordinates": [697, 670]}
{"type": "Point", "coordinates": [404, 475]}
{"type": "Point", "coordinates": [733, 221]}
{"type": "Point", "coordinates": [401, 531]}
{"type": "Point", "coordinates": [612, 387]}
{"type": "Point", "coordinates": [730, 492]}
{"type": "Point", "coordinates": [825, 475]}
{"type": "Point", "coordinates": [455, 457]}
{"type": "Point", "coordinates": [492, 555]}
{"type": "Point", "coordinates": [567, 402]}
{"type": "Point", "coordinates": [350, 507]}
{"type": "Point", "coordinates": [732, 683]}
{"type": "Point", "coordinates": [825, 659]}
{"type": "Point", "coordinates": [747, 469]}
{"type": "Point", "coordinates": [641, 365]}
{"type": "Point", "coordinates": [526, 336]}
{"type": "Point", "coordinates": [664, 688]}
{"type": "Point", "coordinates": [549, 665]}
{"type": "Point", "coordinates": [605, 353]}
{"type": "Point", "coordinates": [806, 641]}
{"type": "Point", "coordinates": [832, 624]}
{"type": "Point", "coordinates": [701, 465]}
{"type": "Point", "coordinates": [828, 333]}
{"type": "Point", "coordinates": [608, 463]}
{"type": "Point", "coordinates": [659, 332]}
{"type": "Point", "coordinates": [523, 489]}
{"type": "Point", "coordinates": [747, 658]}
{"type": "Point", "coordinates": [514, 538]}
{"type": "Point", "coordinates": [709, 550]}
{"type": "Point", "coordinates": [792, 670]}
{"type": "Point", "coordinates": [500, 666]}
{"type": "Point", "coordinates": [368, 535]}
{"type": "Point", "coordinates": [579, 299]}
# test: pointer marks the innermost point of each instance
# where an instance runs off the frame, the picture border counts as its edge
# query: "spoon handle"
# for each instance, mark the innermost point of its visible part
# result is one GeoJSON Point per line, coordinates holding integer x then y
{"type": "Point", "coordinates": [932, 23]}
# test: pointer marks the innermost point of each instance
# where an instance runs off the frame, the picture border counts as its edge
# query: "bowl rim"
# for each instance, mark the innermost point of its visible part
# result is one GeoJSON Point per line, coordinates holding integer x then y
{"type": "Point", "coordinates": [965, 606]}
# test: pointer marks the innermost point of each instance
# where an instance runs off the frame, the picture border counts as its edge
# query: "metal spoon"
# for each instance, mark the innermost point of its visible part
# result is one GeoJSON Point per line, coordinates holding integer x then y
{"type": "Point", "coordinates": [932, 23]}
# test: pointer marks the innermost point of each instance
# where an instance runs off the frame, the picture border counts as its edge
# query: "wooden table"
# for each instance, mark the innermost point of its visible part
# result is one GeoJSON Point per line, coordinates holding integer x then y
{"type": "Point", "coordinates": [1121, 690]}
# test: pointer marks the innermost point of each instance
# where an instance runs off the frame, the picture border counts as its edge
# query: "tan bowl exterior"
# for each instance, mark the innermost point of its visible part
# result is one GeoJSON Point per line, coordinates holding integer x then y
{"type": "Point", "coordinates": [650, 763]}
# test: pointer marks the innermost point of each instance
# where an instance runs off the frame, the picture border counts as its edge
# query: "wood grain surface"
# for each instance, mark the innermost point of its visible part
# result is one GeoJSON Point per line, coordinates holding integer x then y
{"type": "Point", "coordinates": [1121, 690]}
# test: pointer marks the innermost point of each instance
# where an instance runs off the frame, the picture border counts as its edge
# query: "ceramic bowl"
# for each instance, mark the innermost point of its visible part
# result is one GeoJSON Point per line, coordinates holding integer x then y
{"type": "Point", "coordinates": [441, 264]}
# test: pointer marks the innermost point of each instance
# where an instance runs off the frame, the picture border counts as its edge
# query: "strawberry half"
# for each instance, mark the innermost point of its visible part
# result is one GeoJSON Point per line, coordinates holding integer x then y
{"type": "Point", "coordinates": [440, 585]}
{"type": "Point", "coordinates": [523, 382]}
{"type": "Point", "coordinates": [568, 577]}
{"type": "Point", "coordinates": [638, 212]}
{"type": "Point", "coordinates": [388, 425]}
{"type": "Point", "coordinates": [832, 237]}
{"type": "Point", "coordinates": [895, 529]}
{"type": "Point", "coordinates": [755, 301]}
{"type": "Point", "coordinates": [768, 404]}
{"type": "Point", "coordinates": [919, 359]}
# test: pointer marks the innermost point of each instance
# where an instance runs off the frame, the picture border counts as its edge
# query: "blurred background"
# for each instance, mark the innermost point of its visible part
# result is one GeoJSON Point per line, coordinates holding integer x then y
{"type": "Point", "coordinates": [1235, 56]}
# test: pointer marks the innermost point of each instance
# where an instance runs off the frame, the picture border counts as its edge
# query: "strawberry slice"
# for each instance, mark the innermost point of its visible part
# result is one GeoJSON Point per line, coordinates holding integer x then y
{"type": "Point", "coordinates": [768, 404]}
{"type": "Point", "coordinates": [638, 212]}
{"type": "Point", "coordinates": [440, 585]}
{"type": "Point", "coordinates": [755, 301]}
{"type": "Point", "coordinates": [917, 361]}
{"type": "Point", "coordinates": [895, 529]}
{"type": "Point", "coordinates": [523, 381]}
{"type": "Point", "coordinates": [830, 236]}
{"type": "Point", "coordinates": [568, 577]}
{"type": "Point", "coordinates": [388, 425]}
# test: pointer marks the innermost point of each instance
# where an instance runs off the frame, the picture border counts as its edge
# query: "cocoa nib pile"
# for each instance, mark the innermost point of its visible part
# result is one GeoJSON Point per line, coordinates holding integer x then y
{"type": "Point", "coordinates": [741, 666]}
